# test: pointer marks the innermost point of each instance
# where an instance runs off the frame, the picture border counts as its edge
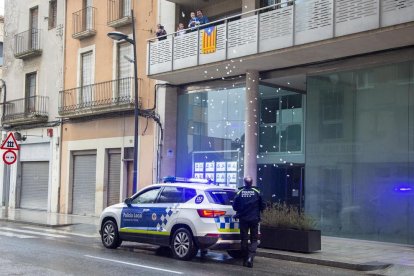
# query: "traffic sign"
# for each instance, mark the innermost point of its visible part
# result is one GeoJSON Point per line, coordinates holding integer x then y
{"type": "Point", "coordinates": [9, 157]}
{"type": "Point", "coordinates": [10, 143]}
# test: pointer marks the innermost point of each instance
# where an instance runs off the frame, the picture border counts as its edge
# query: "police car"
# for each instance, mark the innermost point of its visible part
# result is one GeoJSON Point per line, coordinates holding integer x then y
{"type": "Point", "coordinates": [183, 216]}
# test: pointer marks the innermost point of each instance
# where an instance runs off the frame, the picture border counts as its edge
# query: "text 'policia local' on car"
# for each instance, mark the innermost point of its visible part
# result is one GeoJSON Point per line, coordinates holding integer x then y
{"type": "Point", "coordinates": [183, 216]}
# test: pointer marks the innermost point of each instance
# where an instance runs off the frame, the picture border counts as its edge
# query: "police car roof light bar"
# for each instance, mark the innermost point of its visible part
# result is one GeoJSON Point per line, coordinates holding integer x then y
{"type": "Point", "coordinates": [174, 179]}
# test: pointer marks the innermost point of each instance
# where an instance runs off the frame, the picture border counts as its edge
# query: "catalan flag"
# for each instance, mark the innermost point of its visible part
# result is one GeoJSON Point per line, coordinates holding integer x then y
{"type": "Point", "coordinates": [209, 39]}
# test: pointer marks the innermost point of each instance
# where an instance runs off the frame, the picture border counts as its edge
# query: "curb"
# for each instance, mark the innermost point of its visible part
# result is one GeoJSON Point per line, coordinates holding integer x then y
{"type": "Point", "coordinates": [369, 266]}
{"type": "Point", "coordinates": [38, 223]}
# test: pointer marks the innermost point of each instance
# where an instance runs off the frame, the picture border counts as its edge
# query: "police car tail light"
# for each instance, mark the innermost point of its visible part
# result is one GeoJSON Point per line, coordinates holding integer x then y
{"type": "Point", "coordinates": [210, 213]}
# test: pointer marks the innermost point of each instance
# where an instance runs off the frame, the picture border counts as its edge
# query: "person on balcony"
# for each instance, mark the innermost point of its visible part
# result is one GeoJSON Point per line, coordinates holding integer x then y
{"type": "Point", "coordinates": [161, 32]}
{"type": "Point", "coordinates": [194, 22]}
{"type": "Point", "coordinates": [180, 30]}
{"type": "Point", "coordinates": [202, 18]}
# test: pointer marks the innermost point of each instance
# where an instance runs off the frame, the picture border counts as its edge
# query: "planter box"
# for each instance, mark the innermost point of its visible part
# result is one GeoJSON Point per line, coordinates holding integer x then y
{"type": "Point", "coordinates": [290, 239]}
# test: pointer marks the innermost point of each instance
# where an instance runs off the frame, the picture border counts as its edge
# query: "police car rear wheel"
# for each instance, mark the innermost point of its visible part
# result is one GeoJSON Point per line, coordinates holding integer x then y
{"type": "Point", "coordinates": [182, 244]}
{"type": "Point", "coordinates": [110, 235]}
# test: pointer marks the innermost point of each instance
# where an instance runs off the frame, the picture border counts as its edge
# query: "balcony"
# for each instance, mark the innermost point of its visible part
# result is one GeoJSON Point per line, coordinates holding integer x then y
{"type": "Point", "coordinates": [104, 97]}
{"type": "Point", "coordinates": [280, 36]}
{"type": "Point", "coordinates": [27, 44]}
{"type": "Point", "coordinates": [26, 111]}
{"type": "Point", "coordinates": [83, 23]}
{"type": "Point", "coordinates": [119, 13]}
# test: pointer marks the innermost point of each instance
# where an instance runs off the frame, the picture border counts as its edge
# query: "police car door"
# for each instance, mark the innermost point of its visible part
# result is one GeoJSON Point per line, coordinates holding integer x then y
{"type": "Point", "coordinates": [165, 213]}
{"type": "Point", "coordinates": [135, 218]}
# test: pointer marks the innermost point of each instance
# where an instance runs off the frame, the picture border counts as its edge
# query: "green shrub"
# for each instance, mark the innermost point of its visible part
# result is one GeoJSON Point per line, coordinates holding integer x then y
{"type": "Point", "coordinates": [281, 215]}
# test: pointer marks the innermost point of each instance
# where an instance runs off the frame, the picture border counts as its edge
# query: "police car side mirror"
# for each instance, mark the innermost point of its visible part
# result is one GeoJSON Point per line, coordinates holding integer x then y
{"type": "Point", "coordinates": [128, 201]}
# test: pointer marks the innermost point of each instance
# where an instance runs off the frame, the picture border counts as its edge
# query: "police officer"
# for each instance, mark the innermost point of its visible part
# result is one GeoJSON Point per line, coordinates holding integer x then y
{"type": "Point", "coordinates": [248, 204]}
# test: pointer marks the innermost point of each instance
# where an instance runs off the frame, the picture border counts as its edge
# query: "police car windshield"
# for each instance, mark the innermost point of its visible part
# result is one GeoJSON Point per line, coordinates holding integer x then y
{"type": "Point", "coordinates": [222, 197]}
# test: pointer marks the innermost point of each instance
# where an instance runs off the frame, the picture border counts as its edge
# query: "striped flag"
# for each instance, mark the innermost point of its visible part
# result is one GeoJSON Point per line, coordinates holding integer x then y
{"type": "Point", "coordinates": [209, 39]}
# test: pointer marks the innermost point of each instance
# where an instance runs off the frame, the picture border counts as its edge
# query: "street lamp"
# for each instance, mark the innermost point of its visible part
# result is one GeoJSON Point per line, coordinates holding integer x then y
{"type": "Point", "coordinates": [118, 36]}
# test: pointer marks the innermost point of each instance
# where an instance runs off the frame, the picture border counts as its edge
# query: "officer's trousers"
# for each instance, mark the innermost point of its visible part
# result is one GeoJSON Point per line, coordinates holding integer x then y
{"type": "Point", "coordinates": [249, 250]}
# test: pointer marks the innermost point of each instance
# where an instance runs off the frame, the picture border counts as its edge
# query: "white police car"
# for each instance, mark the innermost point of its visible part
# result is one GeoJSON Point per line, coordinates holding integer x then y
{"type": "Point", "coordinates": [184, 216]}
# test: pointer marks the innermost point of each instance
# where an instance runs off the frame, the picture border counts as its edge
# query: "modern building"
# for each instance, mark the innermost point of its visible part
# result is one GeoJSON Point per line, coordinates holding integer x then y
{"type": "Point", "coordinates": [314, 99]}
{"type": "Point", "coordinates": [32, 73]}
{"type": "Point", "coordinates": [97, 105]}
{"type": "Point", "coordinates": [2, 93]}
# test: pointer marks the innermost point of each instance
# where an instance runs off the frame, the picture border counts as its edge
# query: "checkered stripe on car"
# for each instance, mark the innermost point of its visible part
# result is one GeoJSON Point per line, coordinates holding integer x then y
{"type": "Point", "coordinates": [163, 220]}
{"type": "Point", "coordinates": [226, 223]}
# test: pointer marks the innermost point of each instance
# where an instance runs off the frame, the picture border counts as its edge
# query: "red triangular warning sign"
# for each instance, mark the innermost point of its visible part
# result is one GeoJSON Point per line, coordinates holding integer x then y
{"type": "Point", "coordinates": [10, 143]}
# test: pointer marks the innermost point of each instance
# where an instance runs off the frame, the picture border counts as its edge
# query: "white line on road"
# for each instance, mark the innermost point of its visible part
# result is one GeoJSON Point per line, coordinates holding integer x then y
{"type": "Point", "coordinates": [32, 232]}
{"type": "Point", "coordinates": [8, 234]}
{"type": "Point", "coordinates": [144, 266]}
{"type": "Point", "coordinates": [61, 232]}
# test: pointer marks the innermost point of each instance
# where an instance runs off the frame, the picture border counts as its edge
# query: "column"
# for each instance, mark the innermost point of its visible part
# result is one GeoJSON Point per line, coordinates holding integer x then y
{"type": "Point", "coordinates": [251, 128]}
{"type": "Point", "coordinates": [167, 108]}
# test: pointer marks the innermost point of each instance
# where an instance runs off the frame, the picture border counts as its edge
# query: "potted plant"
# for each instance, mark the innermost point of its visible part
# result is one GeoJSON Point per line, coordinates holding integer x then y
{"type": "Point", "coordinates": [283, 227]}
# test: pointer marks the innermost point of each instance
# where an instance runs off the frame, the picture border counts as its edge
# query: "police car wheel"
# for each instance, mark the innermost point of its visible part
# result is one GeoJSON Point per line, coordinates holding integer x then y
{"type": "Point", "coordinates": [236, 254]}
{"type": "Point", "coordinates": [182, 245]}
{"type": "Point", "coordinates": [110, 235]}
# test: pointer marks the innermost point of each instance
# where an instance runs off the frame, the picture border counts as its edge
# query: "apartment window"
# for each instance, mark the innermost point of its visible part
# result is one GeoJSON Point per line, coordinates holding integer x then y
{"type": "Point", "coordinates": [86, 77]}
{"type": "Point", "coordinates": [88, 16]}
{"type": "Point", "coordinates": [125, 7]}
{"type": "Point", "coordinates": [30, 91]}
{"type": "Point", "coordinates": [52, 14]}
{"type": "Point", "coordinates": [33, 21]}
{"type": "Point", "coordinates": [124, 69]}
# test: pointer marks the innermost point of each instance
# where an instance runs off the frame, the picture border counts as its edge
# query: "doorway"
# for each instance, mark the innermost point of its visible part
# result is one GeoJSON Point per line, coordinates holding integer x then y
{"type": "Point", "coordinates": [282, 183]}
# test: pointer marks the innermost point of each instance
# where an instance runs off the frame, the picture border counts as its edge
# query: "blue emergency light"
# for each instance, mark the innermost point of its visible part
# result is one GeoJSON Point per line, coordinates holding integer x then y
{"type": "Point", "coordinates": [174, 179]}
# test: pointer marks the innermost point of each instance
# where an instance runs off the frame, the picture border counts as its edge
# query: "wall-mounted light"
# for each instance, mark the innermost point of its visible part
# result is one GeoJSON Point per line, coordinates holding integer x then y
{"type": "Point", "coordinates": [19, 136]}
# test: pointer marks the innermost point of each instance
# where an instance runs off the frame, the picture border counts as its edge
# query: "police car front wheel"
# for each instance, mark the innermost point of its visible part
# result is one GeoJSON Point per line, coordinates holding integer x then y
{"type": "Point", "coordinates": [182, 245]}
{"type": "Point", "coordinates": [110, 235]}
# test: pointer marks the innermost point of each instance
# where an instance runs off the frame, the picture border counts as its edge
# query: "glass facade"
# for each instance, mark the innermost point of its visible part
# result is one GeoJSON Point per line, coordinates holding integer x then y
{"type": "Point", "coordinates": [281, 121]}
{"type": "Point", "coordinates": [281, 145]}
{"type": "Point", "coordinates": [210, 135]}
{"type": "Point", "coordinates": [360, 153]}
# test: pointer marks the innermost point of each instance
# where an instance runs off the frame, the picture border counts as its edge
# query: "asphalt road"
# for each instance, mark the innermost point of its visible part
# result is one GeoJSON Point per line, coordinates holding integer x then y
{"type": "Point", "coordinates": [77, 250]}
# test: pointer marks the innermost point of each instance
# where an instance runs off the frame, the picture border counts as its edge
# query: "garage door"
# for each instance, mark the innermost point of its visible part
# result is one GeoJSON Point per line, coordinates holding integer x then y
{"type": "Point", "coordinates": [34, 186]}
{"type": "Point", "coordinates": [114, 175]}
{"type": "Point", "coordinates": [84, 183]}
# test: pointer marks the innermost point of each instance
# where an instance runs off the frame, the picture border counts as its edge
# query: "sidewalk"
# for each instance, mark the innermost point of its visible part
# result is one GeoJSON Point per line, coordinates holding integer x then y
{"type": "Point", "coordinates": [376, 258]}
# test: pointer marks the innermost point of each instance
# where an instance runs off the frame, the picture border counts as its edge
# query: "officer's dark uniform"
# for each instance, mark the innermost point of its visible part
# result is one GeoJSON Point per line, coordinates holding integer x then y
{"type": "Point", "coordinates": [248, 204]}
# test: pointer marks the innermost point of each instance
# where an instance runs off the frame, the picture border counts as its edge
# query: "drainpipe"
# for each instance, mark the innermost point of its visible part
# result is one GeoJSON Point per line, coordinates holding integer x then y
{"type": "Point", "coordinates": [6, 176]}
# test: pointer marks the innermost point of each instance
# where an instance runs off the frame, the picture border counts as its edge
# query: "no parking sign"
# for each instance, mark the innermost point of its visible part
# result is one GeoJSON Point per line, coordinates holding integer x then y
{"type": "Point", "coordinates": [9, 157]}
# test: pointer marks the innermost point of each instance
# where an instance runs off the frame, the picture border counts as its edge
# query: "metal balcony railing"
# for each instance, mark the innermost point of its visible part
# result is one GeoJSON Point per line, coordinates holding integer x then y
{"type": "Point", "coordinates": [83, 23]}
{"type": "Point", "coordinates": [119, 12]}
{"type": "Point", "coordinates": [271, 28]}
{"type": "Point", "coordinates": [27, 44]}
{"type": "Point", "coordinates": [26, 110]}
{"type": "Point", "coordinates": [98, 98]}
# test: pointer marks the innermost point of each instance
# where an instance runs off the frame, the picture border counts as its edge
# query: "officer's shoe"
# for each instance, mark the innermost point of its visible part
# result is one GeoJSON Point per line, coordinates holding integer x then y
{"type": "Point", "coordinates": [249, 262]}
{"type": "Point", "coordinates": [245, 262]}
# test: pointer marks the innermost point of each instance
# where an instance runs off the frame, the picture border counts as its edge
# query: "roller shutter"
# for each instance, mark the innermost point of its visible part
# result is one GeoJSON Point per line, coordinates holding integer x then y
{"type": "Point", "coordinates": [114, 175]}
{"type": "Point", "coordinates": [84, 184]}
{"type": "Point", "coordinates": [34, 186]}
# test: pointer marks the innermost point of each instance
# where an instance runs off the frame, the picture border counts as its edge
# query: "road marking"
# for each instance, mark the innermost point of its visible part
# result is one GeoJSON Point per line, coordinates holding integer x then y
{"type": "Point", "coordinates": [32, 232]}
{"type": "Point", "coordinates": [62, 232]}
{"type": "Point", "coordinates": [8, 234]}
{"type": "Point", "coordinates": [143, 266]}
